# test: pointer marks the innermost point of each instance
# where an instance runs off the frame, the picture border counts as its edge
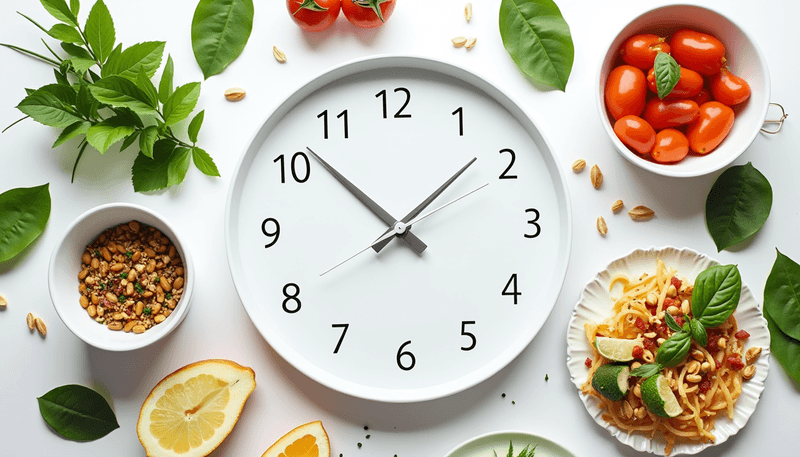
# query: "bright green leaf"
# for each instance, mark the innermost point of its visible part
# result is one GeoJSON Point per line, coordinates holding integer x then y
{"type": "Point", "coordinates": [220, 30]}
{"type": "Point", "coordinates": [99, 31]}
{"type": "Point", "coordinates": [76, 51]}
{"type": "Point", "coordinates": [77, 413]}
{"type": "Point", "coordinates": [121, 92]}
{"type": "Point", "coordinates": [145, 55]}
{"type": "Point", "coordinates": [782, 295]}
{"type": "Point", "coordinates": [59, 10]}
{"type": "Point", "coordinates": [71, 131]}
{"type": "Point", "coordinates": [178, 166]}
{"type": "Point", "coordinates": [194, 126]}
{"type": "Point", "coordinates": [738, 205]}
{"type": "Point", "coordinates": [153, 174]}
{"type": "Point", "coordinates": [667, 72]}
{"type": "Point", "coordinates": [147, 140]}
{"type": "Point", "coordinates": [165, 86]}
{"type": "Point", "coordinates": [82, 65]}
{"type": "Point", "coordinates": [204, 162]}
{"type": "Point", "coordinates": [129, 140]}
{"type": "Point", "coordinates": [47, 106]}
{"type": "Point", "coordinates": [144, 83]}
{"type": "Point", "coordinates": [75, 7]}
{"type": "Point", "coordinates": [63, 32]}
{"type": "Point", "coordinates": [112, 130]}
{"type": "Point", "coordinates": [181, 103]}
{"type": "Point", "coordinates": [23, 215]}
{"type": "Point", "coordinates": [716, 294]}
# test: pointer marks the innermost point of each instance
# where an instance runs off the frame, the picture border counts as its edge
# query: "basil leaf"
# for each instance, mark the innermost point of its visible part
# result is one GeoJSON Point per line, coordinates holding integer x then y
{"type": "Point", "coordinates": [204, 162]}
{"type": "Point", "coordinates": [23, 215]}
{"type": "Point", "coordinates": [181, 103]}
{"type": "Point", "coordinates": [165, 86]}
{"type": "Point", "coordinates": [220, 30]}
{"type": "Point", "coordinates": [47, 106]}
{"type": "Point", "coordinates": [538, 39]}
{"type": "Point", "coordinates": [129, 140]}
{"type": "Point", "coordinates": [674, 350]}
{"type": "Point", "coordinates": [147, 140]}
{"type": "Point", "coordinates": [737, 206]}
{"type": "Point", "coordinates": [59, 10]}
{"type": "Point", "coordinates": [716, 294]}
{"type": "Point", "coordinates": [153, 174]}
{"type": "Point", "coordinates": [782, 295]}
{"type": "Point", "coordinates": [194, 126]}
{"type": "Point", "coordinates": [121, 92]}
{"type": "Point", "coordinates": [147, 55]}
{"type": "Point", "coordinates": [699, 333]}
{"type": "Point", "coordinates": [71, 131]}
{"type": "Point", "coordinates": [105, 134]}
{"type": "Point", "coordinates": [77, 413]}
{"type": "Point", "coordinates": [178, 166]}
{"type": "Point", "coordinates": [785, 348]}
{"type": "Point", "coordinates": [647, 370]}
{"type": "Point", "coordinates": [671, 323]}
{"type": "Point", "coordinates": [667, 73]}
{"type": "Point", "coordinates": [99, 31]}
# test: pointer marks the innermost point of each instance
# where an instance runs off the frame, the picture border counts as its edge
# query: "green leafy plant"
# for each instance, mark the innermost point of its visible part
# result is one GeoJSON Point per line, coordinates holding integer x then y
{"type": "Point", "coordinates": [527, 452]}
{"type": "Point", "coordinates": [104, 94]}
{"type": "Point", "coordinates": [782, 311]}
{"type": "Point", "coordinates": [667, 73]}
{"type": "Point", "coordinates": [738, 205]}
{"type": "Point", "coordinates": [538, 39]}
{"type": "Point", "coordinates": [23, 215]}
{"type": "Point", "coordinates": [220, 30]}
{"type": "Point", "coordinates": [77, 413]}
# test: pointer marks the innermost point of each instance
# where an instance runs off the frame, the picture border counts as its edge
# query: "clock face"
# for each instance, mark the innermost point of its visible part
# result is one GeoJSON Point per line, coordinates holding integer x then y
{"type": "Point", "coordinates": [461, 293]}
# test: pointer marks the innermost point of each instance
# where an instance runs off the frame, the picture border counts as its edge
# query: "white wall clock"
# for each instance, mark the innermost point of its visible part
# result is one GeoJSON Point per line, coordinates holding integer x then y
{"type": "Point", "coordinates": [458, 294]}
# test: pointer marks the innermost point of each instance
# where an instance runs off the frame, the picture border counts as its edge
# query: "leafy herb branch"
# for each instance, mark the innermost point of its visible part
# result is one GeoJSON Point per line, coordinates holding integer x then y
{"type": "Point", "coordinates": [104, 94]}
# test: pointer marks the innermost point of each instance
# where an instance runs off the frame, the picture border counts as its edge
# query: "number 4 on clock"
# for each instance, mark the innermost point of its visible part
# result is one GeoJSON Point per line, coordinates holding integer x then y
{"type": "Point", "coordinates": [511, 288]}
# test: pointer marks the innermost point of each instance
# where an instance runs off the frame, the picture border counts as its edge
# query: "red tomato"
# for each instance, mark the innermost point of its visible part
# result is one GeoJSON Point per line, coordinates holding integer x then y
{"type": "Point", "coordinates": [661, 114]}
{"type": "Point", "coordinates": [689, 85]}
{"type": "Point", "coordinates": [314, 15]}
{"type": "Point", "coordinates": [368, 13]}
{"type": "Point", "coordinates": [641, 50]}
{"type": "Point", "coordinates": [728, 88]}
{"type": "Point", "coordinates": [697, 51]}
{"type": "Point", "coordinates": [671, 146]}
{"type": "Point", "coordinates": [702, 97]}
{"type": "Point", "coordinates": [710, 128]}
{"type": "Point", "coordinates": [635, 133]}
{"type": "Point", "coordinates": [626, 91]}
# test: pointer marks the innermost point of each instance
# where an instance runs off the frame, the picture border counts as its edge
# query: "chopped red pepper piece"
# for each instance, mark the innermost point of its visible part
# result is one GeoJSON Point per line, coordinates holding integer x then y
{"type": "Point", "coordinates": [588, 362]}
{"type": "Point", "coordinates": [742, 335]}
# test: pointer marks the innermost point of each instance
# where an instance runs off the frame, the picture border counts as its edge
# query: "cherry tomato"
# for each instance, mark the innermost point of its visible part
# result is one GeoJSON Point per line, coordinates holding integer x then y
{"type": "Point", "coordinates": [728, 88]}
{"type": "Point", "coordinates": [671, 146]}
{"type": "Point", "coordinates": [702, 97]}
{"type": "Point", "coordinates": [368, 13]}
{"type": "Point", "coordinates": [314, 15]}
{"type": "Point", "coordinates": [641, 50]}
{"type": "Point", "coordinates": [635, 133]}
{"type": "Point", "coordinates": [689, 85]}
{"type": "Point", "coordinates": [697, 51]}
{"type": "Point", "coordinates": [661, 114]}
{"type": "Point", "coordinates": [711, 127]}
{"type": "Point", "coordinates": [626, 91]}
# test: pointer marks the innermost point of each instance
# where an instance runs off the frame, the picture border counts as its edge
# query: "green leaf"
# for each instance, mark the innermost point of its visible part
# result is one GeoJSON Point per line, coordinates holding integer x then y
{"type": "Point", "coordinates": [129, 140]}
{"type": "Point", "coordinates": [147, 140]}
{"type": "Point", "coordinates": [153, 174]}
{"type": "Point", "coordinates": [178, 166]}
{"type": "Point", "coordinates": [667, 73]}
{"type": "Point", "coordinates": [82, 65]}
{"type": "Point", "coordinates": [23, 215]}
{"type": "Point", "coordinates": [737, 206]}
{"type": "Point", "coordinates": [76, 51]}
{"type": "Point", "coordinates": [71, 131]}
{"type": "Point", "coordinates": [61, 79]}
{"type": "Point", "coordinates": [75, 7]}
{"type": "Point", "coordinates": [112, 130]}
{"type": "Point", "coordinates": [647, 370]}
{"type": "Point", "coordinates": [716, 294]}
{"type": "Point", "coordinates": [63, 32]}
{"type": "Point", "coordinates": [77, 413]}
{"type": "Point", "coordinates": [785, 348]}
{"type": "Point", "coordinates": [671, 323]}
{"type": "Point", "coordinates": [204, 162]}
{"type": "Point", "coordinates": [144, 83]}
{"type": "Point", "coordinates": [181, 103]}
{"type": "Point", "coordinates": [194, 126]}
{"type": "Point", "coordinates": [59, 10]}
{"type": "Point", "coordinates": [85, 103]}
{"type": "Point", "coordinates": [99, 31]}
{"type": "Point", "coordinates": [165, 86]}
{"type": "Point", "coordinates": [538, 39]}
{"type": "Point", "coordinates": [47, 106]}
{"type": "Point", "coordinates": [145, 55]}
{"type": "Point", "coordinates": [782, 295]}
{"type": "Point", "coordinates": [220, 30]}
{"type": "Point", "coordinates": [118, 91]}
{"type": "Point", "coordinates": [674, 350]}
{"type": "Point", "coordinates": [698, 332]}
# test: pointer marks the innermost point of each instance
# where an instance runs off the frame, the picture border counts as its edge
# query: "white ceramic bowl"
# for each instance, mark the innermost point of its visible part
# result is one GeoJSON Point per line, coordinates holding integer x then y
{"type": "Point", "coordinates": [744, 59]}
{"type": "Point", "coordinates": [65, 264]}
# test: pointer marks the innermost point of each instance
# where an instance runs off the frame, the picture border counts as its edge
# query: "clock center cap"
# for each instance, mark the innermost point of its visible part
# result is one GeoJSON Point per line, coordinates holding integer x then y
{"type": "Point", "coordinates": [399, 228]}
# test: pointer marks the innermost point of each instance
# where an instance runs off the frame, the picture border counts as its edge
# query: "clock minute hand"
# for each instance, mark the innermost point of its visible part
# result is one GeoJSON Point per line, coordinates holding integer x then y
{"type": "Point", "coordinates": [399, 228]}
{"type": "Point", "coordinates": [380, 245]}
{"type": "Point", "coordinates": [416, 244]}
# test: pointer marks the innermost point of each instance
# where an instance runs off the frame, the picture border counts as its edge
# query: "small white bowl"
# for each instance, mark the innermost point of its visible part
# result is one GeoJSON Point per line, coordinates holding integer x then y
{"type": "Point", "coordinates": [65, 264]}
{"type": "Point", "coordinates": [744, 59]}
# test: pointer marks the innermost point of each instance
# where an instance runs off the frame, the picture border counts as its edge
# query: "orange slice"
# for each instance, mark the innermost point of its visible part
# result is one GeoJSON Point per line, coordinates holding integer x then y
{"type": "Point", "coordinates": [191, 411]}
{"type": "Point", "coordinates": [307, 440]}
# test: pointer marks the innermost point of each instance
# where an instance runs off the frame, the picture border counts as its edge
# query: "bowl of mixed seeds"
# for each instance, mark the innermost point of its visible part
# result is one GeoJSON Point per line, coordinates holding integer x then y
{"type": "Point", "coordinates": [120, 278]}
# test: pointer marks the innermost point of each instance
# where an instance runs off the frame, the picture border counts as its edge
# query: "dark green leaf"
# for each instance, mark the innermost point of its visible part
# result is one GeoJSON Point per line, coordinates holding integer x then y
{"type": "Point", "coordinates": [667, 73]}
{"type": "Point", "coordinates": [59, 10]}
{"type": "Point", "coordinates": [147, 140]}
{"type": "Point", "coordinates": [61, 79]}
{"type": "Point", "coordinates": [145, 55]}
{"type": "Point", "coordinates": [85, 101]}
{"type": "Point", "coordinates": [699, 333]}
{"type": "Point", "coordinates": [23, 215]}
{"type": "Point", "coordinates": [738, 204]}
{"type": "Point", "coordinates": [538, 39]}
{"type": "Point", "coordinates": [77, 413]}
{"type": "Point", "coordinates": [647, 370]}
{"type": "Point", "coordinates": [103, 135]}
{"type": "Point", "coordinates": [76, 51]}
{"type": "Point", "coordinates": [129, 140]}
{"type": "Point", "coordinates": [118, 91]}
{"type": "Point", "coordinates": [510, 449]}
{"type": "Point", "coordinates": [70, 132]}
{"type": "Point", "coordinates": [165, 86]}
{"type": "Point", "coordinates": [178, 166]}
{"type": "Point", "coordinates": [99, 31]}
{"type": "Point", "coordinates": [153, 174]}
{"type": "Point", "coordinates": [130, 117]}
{"type": "Point", "coordinates": [181, 103]}
{"type": "Point", "coordinates": [671, 323]}
{"type": "Point", "coordinates": [782, 295]}
{"type": "Point", "coordinates": [47, 106]}
{"type": "Point", "coordinates": [674, 350]}
{"type": "Point", "coordinates": [716, 294]}
{"type": "Point", "coordinates": [220, 30]}
{"type": "Point", "coordinates": [194, 126]}
{"type": "Point", "coordinates": [63, 32]}
{"type": "Point", "coordinates": [144, 83]}
{"type": "Point", "coordinates": [204, 162]}
{"type": "Point", "coordinates": [785, 348]}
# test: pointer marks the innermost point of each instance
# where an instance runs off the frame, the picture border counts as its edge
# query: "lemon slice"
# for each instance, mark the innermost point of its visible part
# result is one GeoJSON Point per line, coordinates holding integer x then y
{"type": "Point", "coordinates": [616, 349]}
{"type": "Point", "coordinates": [307, 440]}
{"type": "Point", "coordinates": [191, 411]}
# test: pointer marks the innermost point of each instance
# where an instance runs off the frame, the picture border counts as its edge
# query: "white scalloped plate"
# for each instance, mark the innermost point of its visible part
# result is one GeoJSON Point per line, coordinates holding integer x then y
{"type": "Point", "coordinates": [497, 442]}
{"type": "Point", "coordinates": [595, 305]}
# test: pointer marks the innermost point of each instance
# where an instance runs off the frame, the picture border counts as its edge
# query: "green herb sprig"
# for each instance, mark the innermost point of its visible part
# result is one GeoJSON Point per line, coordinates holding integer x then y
{"type": "Point", "coordinates": [104, 95]}
{"type": "Point", "coordinates": [527, 452]}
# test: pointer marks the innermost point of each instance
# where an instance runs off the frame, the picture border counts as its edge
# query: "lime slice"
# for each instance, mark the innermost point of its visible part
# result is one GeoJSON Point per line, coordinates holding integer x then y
{"type": "Point", "coordinates": [616, 349]}
{"type": "Point", "coordinates": [659, 398]}
{"type": "Point", "coordinates": [611, 381]}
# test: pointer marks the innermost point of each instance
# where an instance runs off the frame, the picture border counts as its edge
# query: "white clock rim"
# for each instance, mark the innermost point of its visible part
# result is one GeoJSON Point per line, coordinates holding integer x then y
{"type": "Point", "coordinates": [451, 70]}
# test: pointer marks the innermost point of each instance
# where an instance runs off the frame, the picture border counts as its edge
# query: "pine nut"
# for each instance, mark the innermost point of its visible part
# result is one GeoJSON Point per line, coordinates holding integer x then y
{"type": "Point", "coordinates": [752, 354]}
{"type": "Point", "coordinates": [748, 372]}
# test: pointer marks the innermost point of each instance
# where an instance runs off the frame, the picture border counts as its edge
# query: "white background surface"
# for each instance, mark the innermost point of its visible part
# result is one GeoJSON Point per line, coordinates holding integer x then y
{"type": "Point", "coordinates": [217, 326]}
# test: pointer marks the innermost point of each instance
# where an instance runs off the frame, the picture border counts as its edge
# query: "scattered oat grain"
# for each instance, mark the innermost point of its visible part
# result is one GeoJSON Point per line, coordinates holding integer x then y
{"type": "Point", "coordinates": [596, 176]}
{"type": "Point", "coordinates": [279, 55]}
{"type": "Point", "coordinates": [459, 41]}
{"type": "Point", "coordinates": [30, 319]}
{"type": "Point", "coordinates": [617, 206]}
{"type": "Point", "coordinates": [468, 12]}
{"type": "Point", "coordinates": [235, 94]}
{"type": "Point", "coordinates": [470, 42]}
{"type": "Point", "coordinates": [578, 165]}
{"type": "Point", "coordinates": [39, 323]}
{"type": "Point", "coordinates": [641, 213]}
{"type": "Point", "coordinates": [601, 226]}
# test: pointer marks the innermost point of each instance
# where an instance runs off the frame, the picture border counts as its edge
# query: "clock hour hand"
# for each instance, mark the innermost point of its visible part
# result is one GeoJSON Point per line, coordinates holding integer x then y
{"type": "Point", "coordinates": [399, 228]}
{"type": "Point", "coordinates": [416, 244]}
{"type": "Point", "coordinates": [380, 245]}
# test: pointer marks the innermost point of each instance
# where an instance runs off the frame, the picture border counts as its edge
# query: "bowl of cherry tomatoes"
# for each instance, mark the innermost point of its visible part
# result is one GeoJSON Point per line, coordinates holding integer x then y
{"type": "Point", "coordinates": [692, 110]}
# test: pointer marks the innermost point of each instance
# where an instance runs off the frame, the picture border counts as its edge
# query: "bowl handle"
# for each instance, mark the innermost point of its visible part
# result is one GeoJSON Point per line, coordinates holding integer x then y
{"type": "Point", "coordinates": [776, 121]}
